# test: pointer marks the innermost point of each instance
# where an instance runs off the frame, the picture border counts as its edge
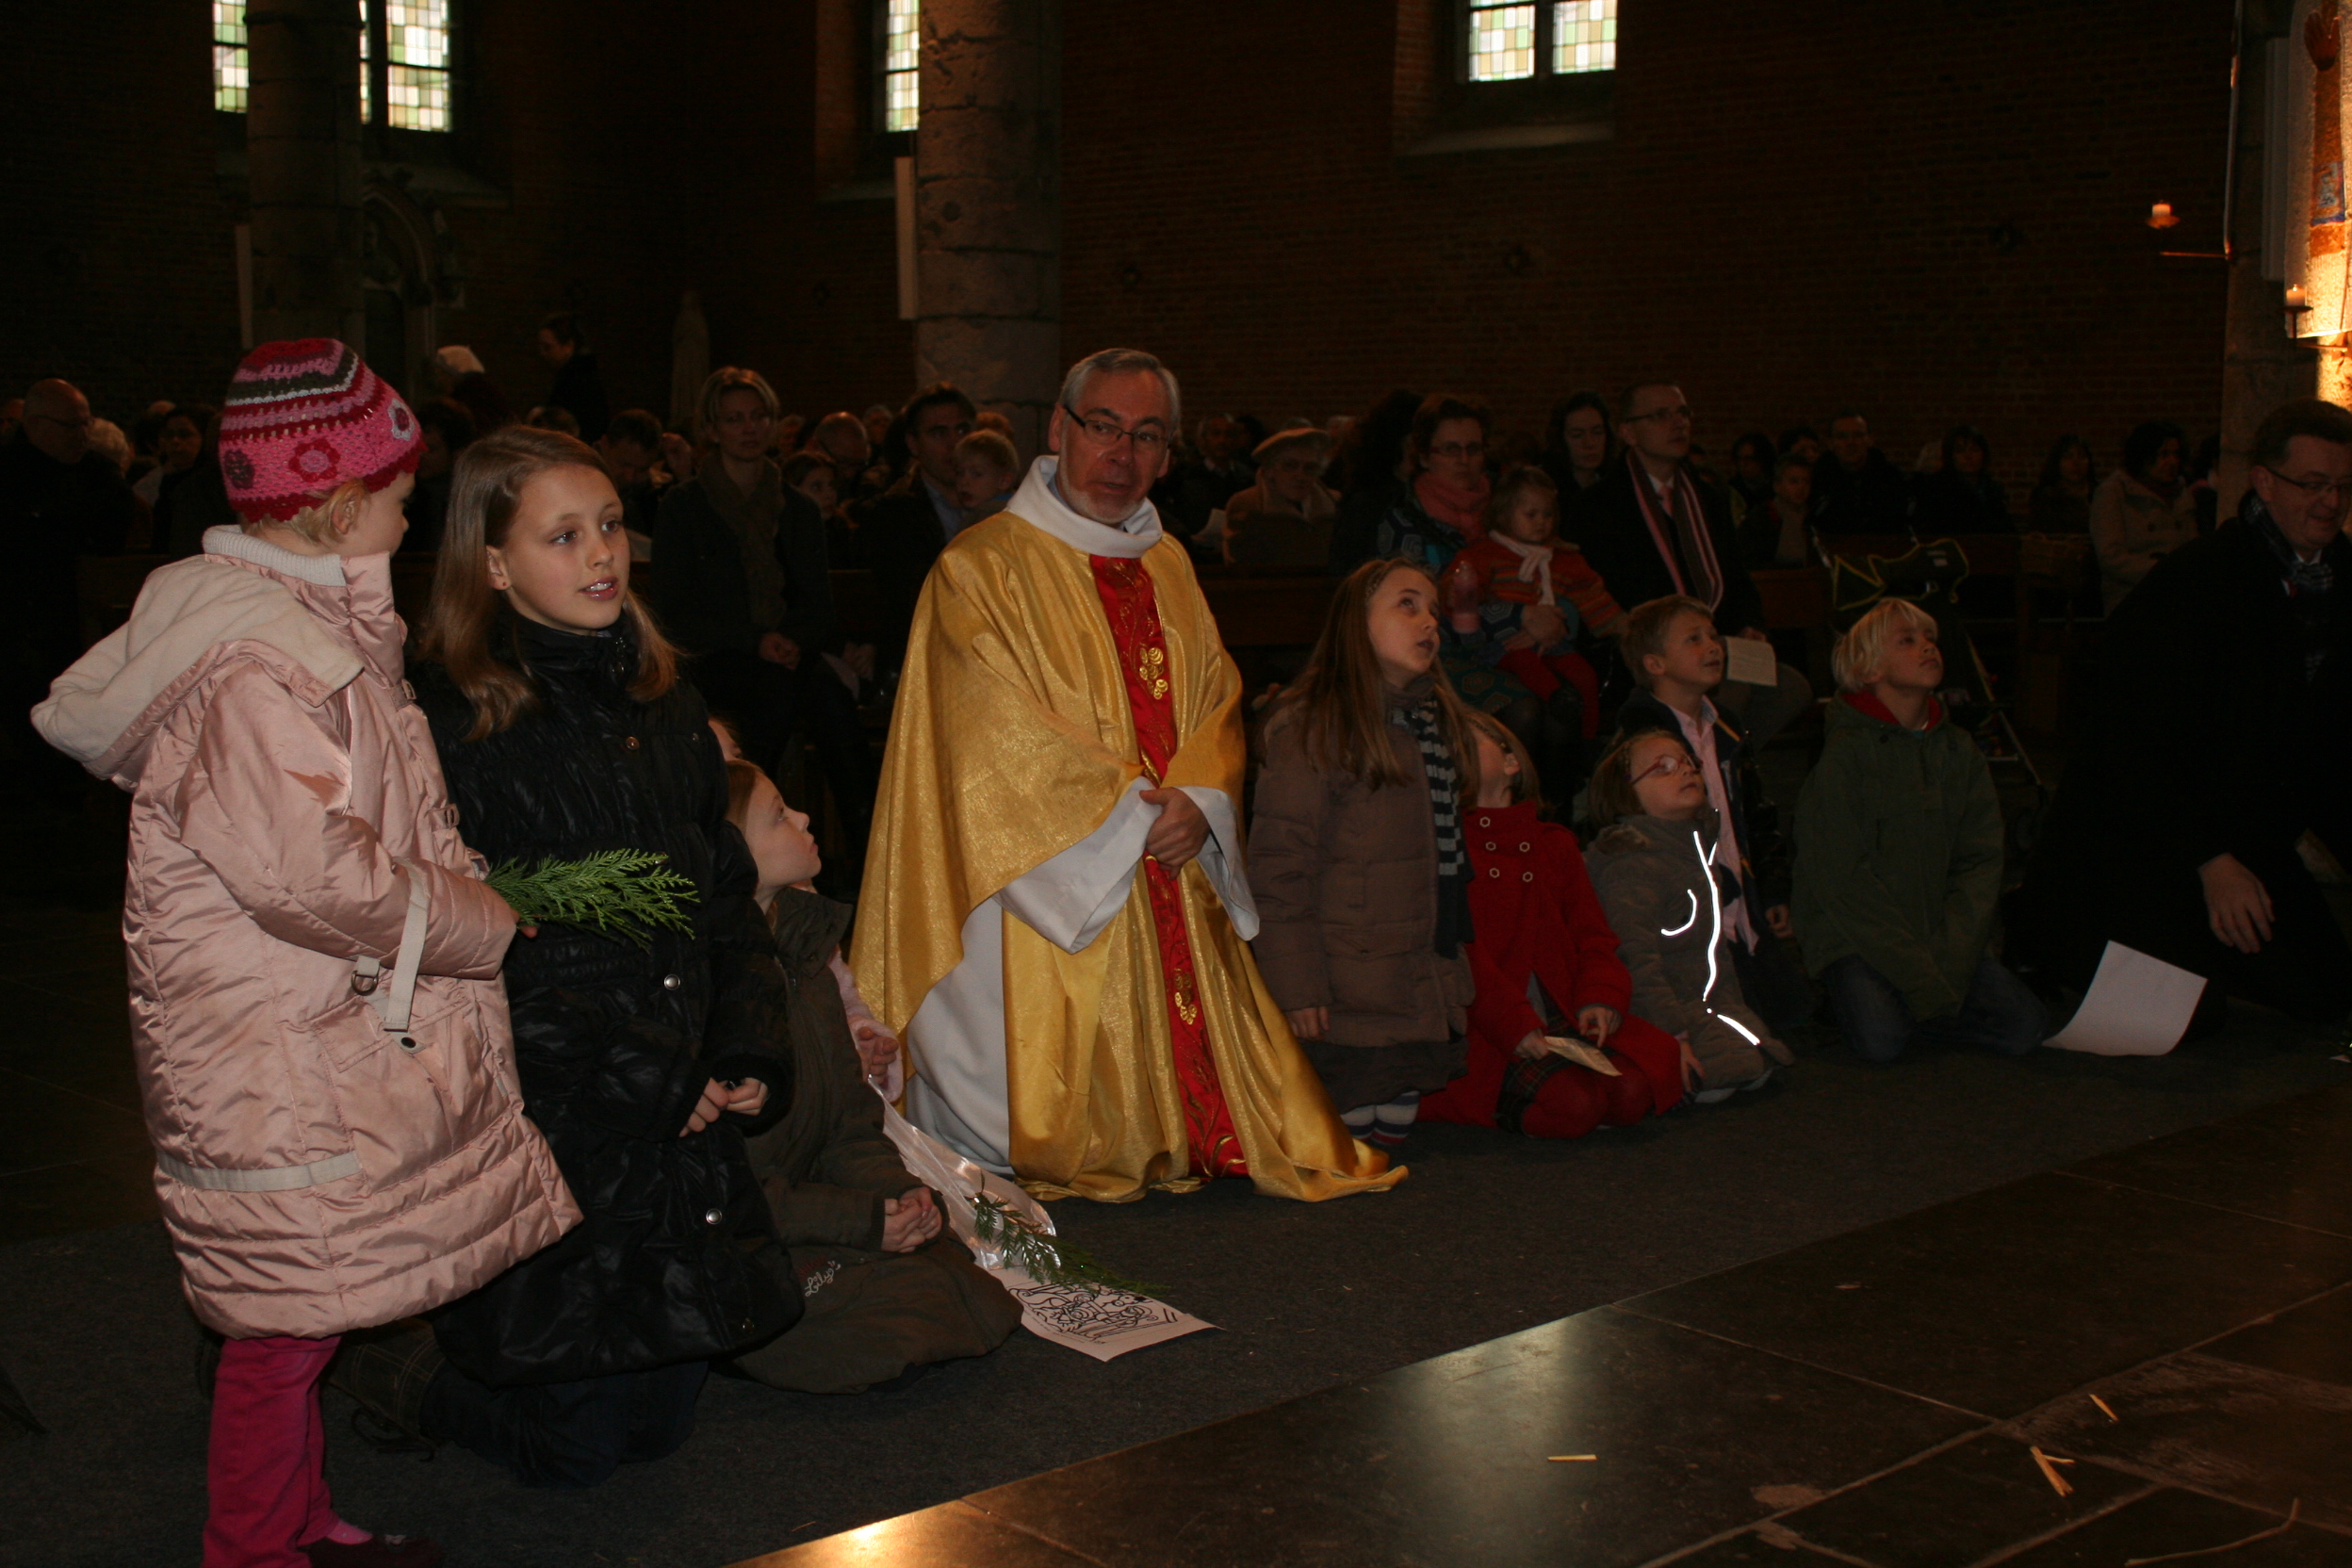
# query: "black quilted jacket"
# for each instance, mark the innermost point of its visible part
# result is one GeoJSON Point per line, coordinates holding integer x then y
{"type": "Point", "coordinates": [674, 1260]}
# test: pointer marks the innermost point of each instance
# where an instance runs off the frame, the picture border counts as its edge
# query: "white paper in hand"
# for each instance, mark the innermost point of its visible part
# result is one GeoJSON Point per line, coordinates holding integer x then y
{"type": "Point", "coordinates": [1751, 662]}
{"type": "Point", "coordinates": [2137, 1006]}
{"type": "Point", "coordinates": [1582, 1053]}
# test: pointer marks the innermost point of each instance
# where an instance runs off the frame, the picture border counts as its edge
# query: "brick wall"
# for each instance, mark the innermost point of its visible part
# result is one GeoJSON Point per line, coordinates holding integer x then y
{"type": "Point", "coordinates": [1795, 215]}
{"type": "Point", "coordinates": [117, 265]}
{"type": "Point", "coordinates": [1795, 211]}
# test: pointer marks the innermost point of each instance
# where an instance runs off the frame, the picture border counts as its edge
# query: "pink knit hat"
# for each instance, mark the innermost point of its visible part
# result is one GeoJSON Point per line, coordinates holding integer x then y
{"type": "Point", "coordinates": [304, 417]}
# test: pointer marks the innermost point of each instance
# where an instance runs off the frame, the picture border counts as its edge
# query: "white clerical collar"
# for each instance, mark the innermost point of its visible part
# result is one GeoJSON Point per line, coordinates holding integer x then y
{"type": "Point", "coordinates": [1040, 505]}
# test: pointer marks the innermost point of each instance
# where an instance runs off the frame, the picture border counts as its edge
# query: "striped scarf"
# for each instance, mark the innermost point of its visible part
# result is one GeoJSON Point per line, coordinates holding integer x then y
{"type": "Point", "coordinates": [1453, 859]}
{"type": "Point", "coordinates": [1683, 541]}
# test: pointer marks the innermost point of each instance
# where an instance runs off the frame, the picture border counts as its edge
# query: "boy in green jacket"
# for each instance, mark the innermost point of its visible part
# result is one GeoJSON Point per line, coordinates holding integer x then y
{"type": "Point", "coordinates": [1899, 858]}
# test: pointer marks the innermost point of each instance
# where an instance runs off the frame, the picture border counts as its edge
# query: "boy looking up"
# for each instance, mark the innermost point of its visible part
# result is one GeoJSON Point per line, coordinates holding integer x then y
{"type": "Point", "coordinates": [1677, 658]}
{"type": "Point", "coordinates": [1899, 843]}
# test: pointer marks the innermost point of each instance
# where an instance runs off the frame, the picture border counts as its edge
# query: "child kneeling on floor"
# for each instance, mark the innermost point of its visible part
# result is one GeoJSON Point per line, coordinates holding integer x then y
{"type": "Point", "coordinates": [1653, 863]}
{"type": "Point", "coordinates": [888, 1290]}
{"type": "Point", "coordinates": [1355, 854]}
{"type": "Point", "coordinates": [1899, 858]}
{"type": "Point", "coordinates": [564, 729]}
{"type": "Point", "coordinates": [320, 1034]}
{"type": "Point", "coordinates": [1677, 658]}
{"type": "Point", "coordinates": [1545, 964]}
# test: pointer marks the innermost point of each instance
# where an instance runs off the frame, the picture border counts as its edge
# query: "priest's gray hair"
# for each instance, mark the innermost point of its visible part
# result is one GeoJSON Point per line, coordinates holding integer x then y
{"type": "Point", "coordinates": [1117, 362]}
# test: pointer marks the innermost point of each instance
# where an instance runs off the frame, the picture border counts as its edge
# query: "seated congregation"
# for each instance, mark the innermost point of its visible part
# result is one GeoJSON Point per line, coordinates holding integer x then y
{"type": "Point", "coordinates": [524, 1187]}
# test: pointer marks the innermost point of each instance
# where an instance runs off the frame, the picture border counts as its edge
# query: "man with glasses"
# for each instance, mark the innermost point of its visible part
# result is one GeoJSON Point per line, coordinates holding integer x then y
{"type": "Point", "coordinates": [1653, 526]}
{"type": "Point", "coordinates": [2219, 735]}
{"type": "Point", "coordinates": [59, 500]}
{"type": "Point", "coordinates": [902, 529]}
{"type": "Point", "coordinates": [1056, 916]}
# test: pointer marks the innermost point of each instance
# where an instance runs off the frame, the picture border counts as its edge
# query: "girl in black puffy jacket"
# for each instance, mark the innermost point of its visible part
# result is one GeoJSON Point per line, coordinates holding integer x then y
{"type": "Point", "coordinates": [564, 730]}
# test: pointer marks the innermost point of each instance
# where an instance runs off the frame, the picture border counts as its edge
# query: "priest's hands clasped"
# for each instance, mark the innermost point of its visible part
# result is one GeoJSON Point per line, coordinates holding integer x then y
{"type": "Point", "coordinates": [1180, 832]}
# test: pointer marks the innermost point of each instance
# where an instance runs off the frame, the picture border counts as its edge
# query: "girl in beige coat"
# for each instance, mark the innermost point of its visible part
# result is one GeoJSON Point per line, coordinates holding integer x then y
{"type": "Point", "coordinates": [321, 1035]}
{"type": "Point", "coordinates": [1357, 858]}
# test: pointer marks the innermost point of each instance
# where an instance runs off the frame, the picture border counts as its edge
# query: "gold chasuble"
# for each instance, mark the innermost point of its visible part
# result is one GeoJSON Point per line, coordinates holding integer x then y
{"type": "Point", "coordinates": [1007, 929]}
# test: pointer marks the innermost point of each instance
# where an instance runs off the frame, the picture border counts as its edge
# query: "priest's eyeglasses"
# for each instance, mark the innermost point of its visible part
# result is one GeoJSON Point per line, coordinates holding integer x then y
{"type": "Point", "coordinates": [1107, 432]}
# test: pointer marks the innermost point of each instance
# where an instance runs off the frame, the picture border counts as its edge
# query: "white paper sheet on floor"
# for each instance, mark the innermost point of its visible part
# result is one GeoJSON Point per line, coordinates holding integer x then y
{"type": "Point", "coordinates": [2137, 1006]}
{"type": "Point", "coordinates": [1098, 1323]}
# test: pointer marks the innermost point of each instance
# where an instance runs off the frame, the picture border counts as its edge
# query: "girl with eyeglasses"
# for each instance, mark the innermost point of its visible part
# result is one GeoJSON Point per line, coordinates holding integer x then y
{"type": "Point", "coordinates": [1651, 861]}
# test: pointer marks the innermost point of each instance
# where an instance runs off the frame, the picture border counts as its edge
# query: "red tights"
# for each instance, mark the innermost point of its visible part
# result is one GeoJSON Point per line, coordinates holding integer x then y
{"type": "Point", "coordinates": [267, 1466]}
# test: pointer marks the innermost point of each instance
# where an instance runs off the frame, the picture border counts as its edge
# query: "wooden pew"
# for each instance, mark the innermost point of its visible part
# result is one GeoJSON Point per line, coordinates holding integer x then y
{"type": "Point", "coordinates": [1258, 607]}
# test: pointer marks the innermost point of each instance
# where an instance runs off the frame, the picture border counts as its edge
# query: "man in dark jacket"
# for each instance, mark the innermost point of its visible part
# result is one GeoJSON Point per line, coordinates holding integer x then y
{"type": "Point", "coordinates": [2179, 840]}
{"type": "Point", "coordinates": [1654, 526]}
{"type": "Point", "coordinates": [902, 530]}
{"type": "Point", "coordinates": [579, 387]}
{"type": "Point", "coordinates": [59, 500]}
{"type": "Point", "coordinates": [1855, 488]}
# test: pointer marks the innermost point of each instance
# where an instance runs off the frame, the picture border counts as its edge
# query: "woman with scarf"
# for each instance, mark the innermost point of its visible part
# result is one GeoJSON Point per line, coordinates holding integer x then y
{"type": "Point", "coordinates": [2142, 512]}
{"type": "Point", "coordinates": [745, 588]}
{"type": "Point", "coordinates": [1433, 517]}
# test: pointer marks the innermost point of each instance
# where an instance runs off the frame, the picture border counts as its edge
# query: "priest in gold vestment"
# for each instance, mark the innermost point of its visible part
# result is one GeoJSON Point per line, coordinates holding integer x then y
{"type": "Point", "coordinates": [1055, 913]}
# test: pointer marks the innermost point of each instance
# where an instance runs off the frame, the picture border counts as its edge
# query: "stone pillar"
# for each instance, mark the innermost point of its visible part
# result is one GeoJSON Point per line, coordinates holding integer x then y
{"type": "Point", "coordinates": [302, 146]}
{"type": "Point", "coordinates": [987, 208]}
{"type": "Point", "coordinates": [2262, 365]}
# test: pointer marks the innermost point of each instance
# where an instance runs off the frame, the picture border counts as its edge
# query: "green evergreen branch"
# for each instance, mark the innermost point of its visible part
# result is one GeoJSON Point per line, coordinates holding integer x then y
{"type": "Point", "coordinates": [1047, 1258]}
{"type": "Point", "coordinates": [618, 893]}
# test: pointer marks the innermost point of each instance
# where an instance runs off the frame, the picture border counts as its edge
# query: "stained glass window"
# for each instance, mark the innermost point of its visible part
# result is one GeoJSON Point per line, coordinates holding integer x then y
{"type": "Point", "coordinates": [1584, 36]}
{"type": "Point", "coordinates": [1502, 43]}
{"type": "Point", "coordinates": [1565, 38]}
{"type": "Point", "coordinates": [231, 75]}
{"type": "Point", "coordinates": [417, 54]}
{"type": "Point", "coordinates": [902, 63]}
{"type": "Point", "coordinates": [416, 67]}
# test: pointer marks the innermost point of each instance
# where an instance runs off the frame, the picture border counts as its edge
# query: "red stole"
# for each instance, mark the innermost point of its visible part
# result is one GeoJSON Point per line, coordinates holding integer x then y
{"type": "Point", "coordinates": [1125, 588]}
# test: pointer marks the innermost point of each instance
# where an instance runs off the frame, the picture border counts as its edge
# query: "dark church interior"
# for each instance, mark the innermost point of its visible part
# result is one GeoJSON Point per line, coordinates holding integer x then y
{"type": "Point", "coordinates": [992, 784]}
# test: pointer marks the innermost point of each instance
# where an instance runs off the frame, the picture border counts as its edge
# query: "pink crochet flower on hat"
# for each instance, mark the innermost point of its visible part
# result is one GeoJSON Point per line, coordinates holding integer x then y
{"type": "Point", "coordinates": [303, 417]}
{"type": "Point", "coordinates": [313, 460]}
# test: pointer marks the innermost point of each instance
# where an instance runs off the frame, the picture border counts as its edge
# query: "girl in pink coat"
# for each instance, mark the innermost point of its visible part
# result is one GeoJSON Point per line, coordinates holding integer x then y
{"type": "Point", "coordinates": [321, 1037]}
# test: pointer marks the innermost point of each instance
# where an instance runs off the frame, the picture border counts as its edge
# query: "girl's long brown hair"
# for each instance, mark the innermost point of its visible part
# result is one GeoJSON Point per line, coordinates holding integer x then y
{"type": "Point", "coordinates": [1342, 707]}
{"type": "Point", "coordinates": [484, 492]}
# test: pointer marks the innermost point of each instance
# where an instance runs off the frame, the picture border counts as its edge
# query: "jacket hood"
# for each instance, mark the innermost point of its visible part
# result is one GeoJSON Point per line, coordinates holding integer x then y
{"type": "Point", "coordinates": [1863, 711]}
{"type": "Point", "coordinates": [1655, 835]}
{"type": "Point", "coordinates": [808, 929]}
{"type": "Point", "coordinates": [242, 595]}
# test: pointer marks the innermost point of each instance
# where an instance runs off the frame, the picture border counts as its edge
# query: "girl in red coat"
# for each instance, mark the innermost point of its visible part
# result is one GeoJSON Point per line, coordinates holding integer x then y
{"type": "Point", "coordinates": [1552, 992]}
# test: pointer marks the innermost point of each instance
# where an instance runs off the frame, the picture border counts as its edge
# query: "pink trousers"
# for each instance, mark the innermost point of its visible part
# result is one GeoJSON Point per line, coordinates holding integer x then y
{"type": "Point", "coordinates": [267, 1468]}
